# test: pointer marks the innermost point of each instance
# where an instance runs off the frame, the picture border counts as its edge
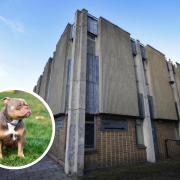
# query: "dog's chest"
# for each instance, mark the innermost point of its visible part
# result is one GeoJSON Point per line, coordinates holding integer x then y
{"type": "Point", "coordinates": [11, 130]}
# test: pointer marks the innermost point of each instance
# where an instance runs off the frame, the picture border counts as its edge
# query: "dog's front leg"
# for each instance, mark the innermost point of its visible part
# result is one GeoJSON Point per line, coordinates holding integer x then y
{"type": "Point", "coordinates": [1, 156]}
{"type": "Point", "coordinates": [21, 139]}
{"type": "Point", "coordinates": [20, 148]}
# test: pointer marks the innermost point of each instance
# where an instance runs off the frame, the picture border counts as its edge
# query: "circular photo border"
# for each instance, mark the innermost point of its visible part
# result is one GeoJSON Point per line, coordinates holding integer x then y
{"type": "Point", "coordinates": [52, 135]}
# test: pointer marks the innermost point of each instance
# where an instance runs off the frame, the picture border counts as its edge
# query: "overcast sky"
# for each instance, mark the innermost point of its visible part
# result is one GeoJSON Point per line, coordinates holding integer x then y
{"type": "Point", "coordinates": [30, 29]}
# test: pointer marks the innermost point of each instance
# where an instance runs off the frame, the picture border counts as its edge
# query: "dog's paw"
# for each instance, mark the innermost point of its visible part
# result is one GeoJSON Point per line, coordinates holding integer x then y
{"type": "Point", "coordinates": [21, 156]}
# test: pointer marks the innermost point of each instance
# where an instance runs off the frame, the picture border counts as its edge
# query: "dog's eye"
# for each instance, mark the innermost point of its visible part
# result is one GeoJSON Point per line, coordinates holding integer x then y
{"type": "Point", "coordinates": [18, 107]}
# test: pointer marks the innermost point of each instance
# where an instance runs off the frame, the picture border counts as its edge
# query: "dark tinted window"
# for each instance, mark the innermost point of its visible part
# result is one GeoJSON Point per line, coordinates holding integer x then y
{"type": "Point", "coordinates": [139, 132]}
{"type": "Point", "coordinates": [92, 25]}
{"type": "Point", "coordinates": [89, 133]}
{"type": "Point", "coordinates": [59, 122]}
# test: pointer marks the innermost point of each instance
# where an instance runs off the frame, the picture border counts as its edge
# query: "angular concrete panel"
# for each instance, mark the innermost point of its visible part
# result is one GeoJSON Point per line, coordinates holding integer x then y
{"type": "Point", "coordinates": [38, 86]}
{"type": "Point", "coordinates": [34, 89]}
{"type": "Point", "coordinates": [118, 89]}
{"type": "Point", "coordinates": [45, 79]}
{"type": "Point", "coordinates": [177, 75]}
{"type": "Point", "coordinates": [57, 87]}
{"type": "Point", "coordinates": [159, 82]}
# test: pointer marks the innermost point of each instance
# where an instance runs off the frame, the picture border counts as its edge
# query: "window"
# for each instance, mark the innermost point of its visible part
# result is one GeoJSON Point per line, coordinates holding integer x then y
{"type": "Point", "coordinates": [92, 77]}
{"type": "Point", "coordinates": [177, 132]}
{"type": "Point", "coordinates": [151, 106]}
{"type": "Point", "coordinates": [59, 122]}
{"type": "Point", "coordinates": [177, 112]}
{"type": "Point", "coordinates": [71, 32]}
{"type": "Point", "coordinates": [141, 105]}
{"type": "Point", "coordinates": [92, 25]}
{"type": "Point", "coordinates": [139, 133]}
{"type": "Point", "coordinates": [143, 52]}
{"type": "Point", "coordinates": [91, 44]}
{"type": "Point", "coordinates": [92, 84]}
{"type": "Point", "coordinates": [89, 133]}
{"type": "Point", "coordinates": [111, 123]}
{"type": "Point", "coordinates": [133, 46]}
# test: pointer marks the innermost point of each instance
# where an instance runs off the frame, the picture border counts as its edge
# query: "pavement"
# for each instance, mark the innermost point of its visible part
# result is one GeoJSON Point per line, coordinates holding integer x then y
{"type": "Point", "coordinates": [46, 169]}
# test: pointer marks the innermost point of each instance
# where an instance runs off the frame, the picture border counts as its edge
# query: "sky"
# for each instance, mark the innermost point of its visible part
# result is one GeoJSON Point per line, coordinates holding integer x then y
{"type": "Point", "coordinates": [30, 29]}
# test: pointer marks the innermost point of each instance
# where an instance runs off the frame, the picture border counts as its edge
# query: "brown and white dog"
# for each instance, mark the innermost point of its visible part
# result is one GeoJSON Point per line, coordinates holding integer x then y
{"type": "Point", "coordinates": [12, 130]}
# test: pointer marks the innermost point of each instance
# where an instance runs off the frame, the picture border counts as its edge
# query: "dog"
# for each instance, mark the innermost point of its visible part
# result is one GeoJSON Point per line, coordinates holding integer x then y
{"type": "Point", "coordinates": [12, 130]}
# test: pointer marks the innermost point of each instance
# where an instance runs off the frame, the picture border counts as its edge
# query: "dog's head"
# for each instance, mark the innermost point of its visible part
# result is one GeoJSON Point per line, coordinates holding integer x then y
{"type": "Point", "coordinates": [16, 108]}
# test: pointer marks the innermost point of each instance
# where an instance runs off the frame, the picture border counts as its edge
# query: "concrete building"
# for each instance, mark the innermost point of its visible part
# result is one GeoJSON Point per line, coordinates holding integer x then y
{"type": "Point", "coordinates": [115, 101]}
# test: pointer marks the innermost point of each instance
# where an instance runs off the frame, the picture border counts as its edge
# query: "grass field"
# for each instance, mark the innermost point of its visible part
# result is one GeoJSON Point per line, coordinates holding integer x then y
{"type": "Point", "coordinates": [38, 131]}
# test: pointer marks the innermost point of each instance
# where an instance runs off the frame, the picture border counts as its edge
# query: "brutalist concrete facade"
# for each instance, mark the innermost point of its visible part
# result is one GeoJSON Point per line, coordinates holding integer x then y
{"type": "Point", "coordinates": [115, 101]}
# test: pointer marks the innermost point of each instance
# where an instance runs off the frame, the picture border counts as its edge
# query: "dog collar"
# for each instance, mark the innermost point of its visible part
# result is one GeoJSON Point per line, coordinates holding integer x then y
{"type": "Point", "coordinates": [15, 122]}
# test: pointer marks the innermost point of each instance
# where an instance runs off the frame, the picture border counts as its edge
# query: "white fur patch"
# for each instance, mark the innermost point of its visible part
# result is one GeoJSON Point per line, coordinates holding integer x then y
{"type": "Point", "coordinates": [11, 130]}
{"type": "Point", "coordinates": [12, 107]}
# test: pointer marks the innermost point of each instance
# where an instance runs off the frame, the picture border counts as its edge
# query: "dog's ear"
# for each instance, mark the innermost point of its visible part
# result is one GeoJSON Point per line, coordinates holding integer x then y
{"type": "Point", "coordinates": [6, 100]}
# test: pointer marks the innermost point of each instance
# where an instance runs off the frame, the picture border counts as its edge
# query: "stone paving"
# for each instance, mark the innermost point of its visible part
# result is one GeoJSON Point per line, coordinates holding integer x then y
{"type": "Point", "coordinates": [46, 169]}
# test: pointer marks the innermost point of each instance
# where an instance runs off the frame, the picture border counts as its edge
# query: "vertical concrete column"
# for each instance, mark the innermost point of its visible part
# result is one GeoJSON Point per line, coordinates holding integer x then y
{"type": "Point", "coordinates": [50, 81]}
{"type": "Point", "coordinates": [48, 78]}
{"type": "Point", "coordinates": [174, 89]}
{"type": "Point", "coordinates": [74, 156]}
{"type": "Point", "coordinates": [143, 89]}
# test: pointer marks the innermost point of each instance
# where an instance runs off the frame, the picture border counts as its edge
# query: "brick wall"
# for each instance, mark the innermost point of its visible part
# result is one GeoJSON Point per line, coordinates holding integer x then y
{"type": "Point", "coordinates": [166, 130]}
{"type": "Point", "coordinates": [114, 148]}
{"type": "Point", "coordinates": [57, 150]}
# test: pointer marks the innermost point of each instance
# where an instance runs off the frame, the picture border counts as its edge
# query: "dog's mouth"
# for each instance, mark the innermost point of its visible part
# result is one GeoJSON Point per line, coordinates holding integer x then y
{"type": "Point", "coordinates": [27, 114]}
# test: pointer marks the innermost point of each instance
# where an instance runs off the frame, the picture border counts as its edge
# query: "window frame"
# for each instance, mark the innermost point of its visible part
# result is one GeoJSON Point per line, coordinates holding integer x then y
{"type": "Point", "coordinates": [90, 122]}
{"type": "Point", "coordinates": [140, 124]}
{"type": "Point", "coordinates": [61, 118]}
{"type": "Point", "coordinates": [92, 25]}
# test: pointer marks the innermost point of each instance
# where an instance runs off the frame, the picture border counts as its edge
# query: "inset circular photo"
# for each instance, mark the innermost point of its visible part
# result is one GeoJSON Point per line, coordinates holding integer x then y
{"type": "Point", "coordinates": [27, 129]}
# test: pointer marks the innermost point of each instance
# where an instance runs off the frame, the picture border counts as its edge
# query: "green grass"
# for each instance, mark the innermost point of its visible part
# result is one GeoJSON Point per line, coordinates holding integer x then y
{"type": "Point", "coordinates": [38, 131]}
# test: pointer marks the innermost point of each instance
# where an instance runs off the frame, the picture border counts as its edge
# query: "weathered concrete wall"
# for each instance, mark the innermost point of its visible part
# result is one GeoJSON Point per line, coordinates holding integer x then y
{"type": "Point", "coordinates": [57, 89]}
{"type": "Point", "coordinates": [118, 90]}
{"type": "Point", "coordinates": [48, 78]}
{"type": "Point", "coordinates": [45, 79]}
{"type": "Point", "coordinates": [38, 86]}
{"type": "Point", "coordinates": [159, 82]}
{"type": "Point", "coordinates": [34, 89]}
{"type": "Point", "coordinates": [114, 148]}
{"type": "Point", "coordinates": [177, 75]}
{"type": "Point", "coordinates": [43, 82]}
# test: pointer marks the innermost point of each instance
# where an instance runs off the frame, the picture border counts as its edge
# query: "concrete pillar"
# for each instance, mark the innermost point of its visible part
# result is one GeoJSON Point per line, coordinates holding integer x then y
{"type": "Point", "coordinates": [143, 89]}
{"type": "Point", "coordinates": [174, 89]}
{"type": "Point", "coordinates": [48, 77]}
{"type": "Point", "coordinates": [74, 157]}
